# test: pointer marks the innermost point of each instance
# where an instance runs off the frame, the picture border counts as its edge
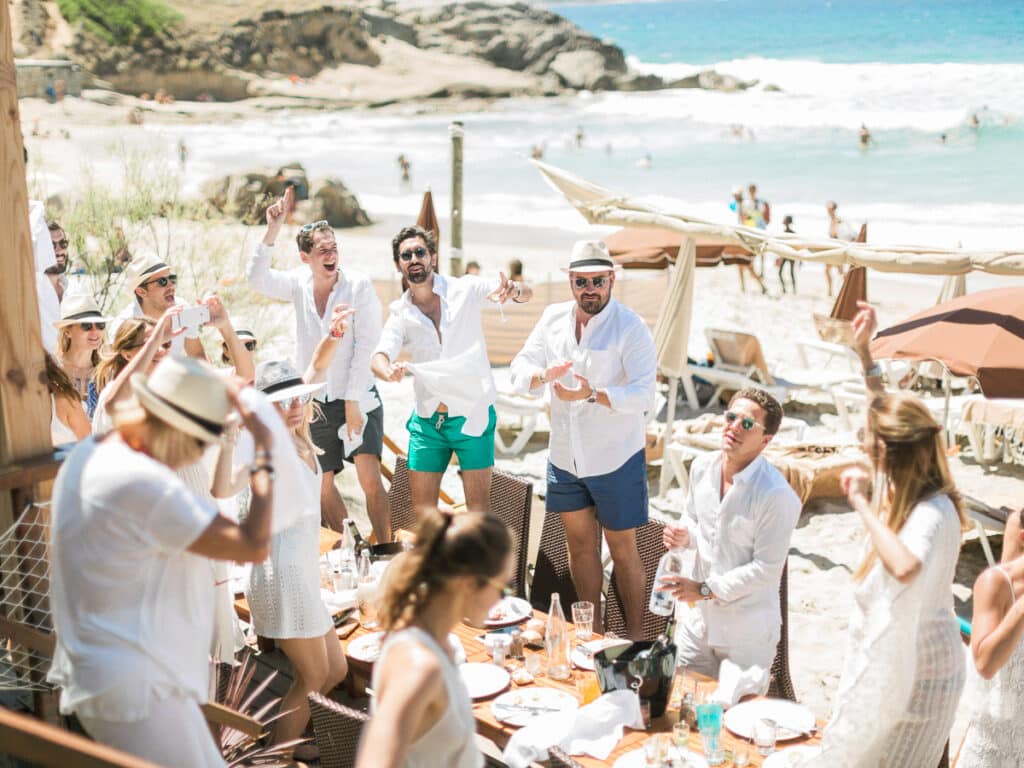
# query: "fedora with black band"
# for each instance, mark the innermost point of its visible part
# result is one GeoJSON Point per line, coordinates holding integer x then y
{"type": "Point", "coordinates": [590, 256]}
{"type": "Point", "coordinates": [187, 394]}
{"type": "Point", "coordinates": [79, 308]}
{"type": "Point", "coordinates": [278, 380]}
{"type": "Point", "coordinates": [145, 267]}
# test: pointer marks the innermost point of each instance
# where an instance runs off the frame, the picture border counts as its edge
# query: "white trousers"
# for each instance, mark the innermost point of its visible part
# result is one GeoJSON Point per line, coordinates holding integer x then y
{"type": "Point", "coordinates": [745, 649]}
{"type": "Point", "coordinates": [174, 734]}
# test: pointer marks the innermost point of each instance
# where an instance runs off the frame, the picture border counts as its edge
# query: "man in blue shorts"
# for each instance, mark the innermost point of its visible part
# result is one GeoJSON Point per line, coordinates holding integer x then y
{"type": "Point", "coordinates": [598, 358]}
{"type": "Point", "coordinates": [437, 320]}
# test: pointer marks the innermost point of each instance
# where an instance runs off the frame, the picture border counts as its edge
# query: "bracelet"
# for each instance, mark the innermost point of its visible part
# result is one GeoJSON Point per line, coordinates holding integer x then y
{"type": "Point", "coordinates": [542, 378]}
{"type": "Point", "coordinates": [336, 335]}
{"type": "Point", "coordinates": [874, 371]}
{"type": "Point", "coordinates": [261, 454]}
{"type": "Point", "coordinates": [257, 468]}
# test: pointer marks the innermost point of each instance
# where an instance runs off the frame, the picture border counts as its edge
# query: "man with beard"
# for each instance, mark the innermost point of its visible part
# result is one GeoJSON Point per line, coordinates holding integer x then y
{"type": "Point", "coordinates": [60, 252]}
{"type": "Point", "coordinates": [598, 358]}
{"type": "Point", "coordinates": [351, 408]}
{"type": "Point", "coordinates": [438, 321]}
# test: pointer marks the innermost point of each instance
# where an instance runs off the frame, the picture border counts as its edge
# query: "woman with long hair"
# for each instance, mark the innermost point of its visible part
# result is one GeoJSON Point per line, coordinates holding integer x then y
{"type": "Point", "coordinates": [68, 422]}
{"type": "Point", "coordinates": [904, 667]}
{"type": "Point", "coordinates": [131, 588]}
{"type": "Point", "coordinates": [79, 342]}
{"type": "Point", "coordinates": [423, 716]}
{"type": "Point", "coordinates": [995, 736]}
{"type": "Point", "coordinates": [129, 341]}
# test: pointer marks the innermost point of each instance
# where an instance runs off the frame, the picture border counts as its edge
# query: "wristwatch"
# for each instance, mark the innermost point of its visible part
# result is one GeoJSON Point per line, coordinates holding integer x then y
{"type": "Point", "coordinates": [705, 591]}
{"type": "Point", "coordinates": [592, 397]}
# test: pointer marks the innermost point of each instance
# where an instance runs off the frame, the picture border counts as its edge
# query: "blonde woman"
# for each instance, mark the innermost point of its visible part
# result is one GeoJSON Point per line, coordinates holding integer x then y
{"type": "Point", "coordinates": [80, 333]}
{"type": "Point", "coordinates": [139, 344]}
{"type": "Point", "coordinates": [68, 422]}
{"type": "Point", "coordinates": [422, 714]}
{"type": "Point", "coordinates": [904, 667]}
{"type": "Point", "coordinates": [131, 587]}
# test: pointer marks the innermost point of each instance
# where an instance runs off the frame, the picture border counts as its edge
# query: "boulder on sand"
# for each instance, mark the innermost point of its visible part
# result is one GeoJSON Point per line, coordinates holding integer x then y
{"type": "Point", "coordinates": [337, 204]}
{"type": "Point", "coordinates": [582, 70]}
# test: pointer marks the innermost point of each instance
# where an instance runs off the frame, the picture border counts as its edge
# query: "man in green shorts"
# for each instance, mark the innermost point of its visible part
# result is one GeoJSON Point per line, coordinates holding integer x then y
{"type": "Point", "coordinates": [437, 320]}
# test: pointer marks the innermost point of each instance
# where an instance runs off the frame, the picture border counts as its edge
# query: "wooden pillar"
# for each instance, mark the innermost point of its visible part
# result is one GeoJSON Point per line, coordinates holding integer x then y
{"type": "Point", "coordinates": [24, 398]}
{"type": "Point", "coordinates": [457, 133]}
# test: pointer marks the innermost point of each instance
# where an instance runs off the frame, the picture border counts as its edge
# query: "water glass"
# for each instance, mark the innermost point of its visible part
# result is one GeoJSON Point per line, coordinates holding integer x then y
{"type": "Point", "coordinates": [583, 618]}
{"type": "Point", "coordinates": [764, 736]}
{"type": "Point", "coordinates": [681, 734]}
{"type": "Point", "coordinates": [366, 597]}
{"type": "Point", "coordinates": [656, 750]}
{"type": "Point", "coordinates": [709, 721]}
{"type": "Point", "coordinates": [741, 755]}
{"type": "Point", "coordinates": [534, 664]}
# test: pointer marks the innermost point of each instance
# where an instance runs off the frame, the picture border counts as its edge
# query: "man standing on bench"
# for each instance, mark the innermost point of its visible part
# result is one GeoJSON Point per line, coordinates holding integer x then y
{"type": "Point", "coordinates": [598, 356]}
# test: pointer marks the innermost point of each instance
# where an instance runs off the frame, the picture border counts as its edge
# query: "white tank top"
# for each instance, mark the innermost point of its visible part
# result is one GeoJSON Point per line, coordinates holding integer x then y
{"type": "Point", "coordinates": [451, 741]}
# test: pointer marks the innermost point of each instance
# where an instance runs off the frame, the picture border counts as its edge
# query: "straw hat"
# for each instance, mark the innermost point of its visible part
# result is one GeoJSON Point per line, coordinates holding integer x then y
{"type": "Point", "coordinates": [278, 379]}
{"type": "Point", "coordinates": [187, 394]}
{"type": "Point", "coordinates": [144, 267]}
{"type": "Point", "coordinates": [79, 308]}
{"type": "Point", "coordinates": [590, 256]}
{"type": "Point", "coordinates": [245, 335]}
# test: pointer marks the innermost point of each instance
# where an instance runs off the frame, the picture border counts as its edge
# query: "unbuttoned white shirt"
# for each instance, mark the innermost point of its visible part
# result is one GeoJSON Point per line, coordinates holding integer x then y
{"type": "Point", "coordinates": [615, 353]}
{"type": "Point", "coordinates": [742, 541]}
{"type": "Point", "coordinates": [133, 310]}
{"type": "Point", "coordinates": [462, 300]}
{"type": "Point", "coordinates": [348, 377]}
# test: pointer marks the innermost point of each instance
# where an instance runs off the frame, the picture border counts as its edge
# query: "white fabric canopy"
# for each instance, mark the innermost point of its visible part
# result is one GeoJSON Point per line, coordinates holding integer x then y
{"type": "Point", "coordinates": [672, 333]}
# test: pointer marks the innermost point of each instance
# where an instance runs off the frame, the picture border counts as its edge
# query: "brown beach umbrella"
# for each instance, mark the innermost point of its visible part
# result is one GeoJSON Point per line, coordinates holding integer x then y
{"type": "Point", "coordinates": [428, 217]}
{"type": "Point", "coordinates": [980, 334]}
{"type": "Point", "coordinates": [651, 248]}
{"type": "Point", "coordinates": [855, 288]}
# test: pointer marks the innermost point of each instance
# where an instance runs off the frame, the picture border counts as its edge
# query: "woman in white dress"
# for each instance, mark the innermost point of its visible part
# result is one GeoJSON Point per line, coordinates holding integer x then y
{"type": "Point", "coordinates": [422, 714]}
{"type": "Point", "coordinates": [995, 738]}
{"type": "Point", "coordinates": [79, 341]}
{"type": "Point", "coordinates": [130, 586]}
{"type": "Point", "coordinates": [904, 667]}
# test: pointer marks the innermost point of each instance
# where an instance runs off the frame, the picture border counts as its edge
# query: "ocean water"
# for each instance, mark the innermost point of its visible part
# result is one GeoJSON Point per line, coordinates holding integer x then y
{"type": "Point", "coordinates": [910, 70]}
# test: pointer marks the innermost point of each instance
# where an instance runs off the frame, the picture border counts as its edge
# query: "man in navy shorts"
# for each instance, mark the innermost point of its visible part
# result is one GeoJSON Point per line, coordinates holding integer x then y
{"type": "Point", "coordinates": [598, 358]}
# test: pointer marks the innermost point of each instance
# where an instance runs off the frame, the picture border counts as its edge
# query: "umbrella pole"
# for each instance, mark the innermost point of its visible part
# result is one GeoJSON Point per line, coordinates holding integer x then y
{"type": "Point", "coordinates": [947, 385]}
{"type": "Point", "coordinates": [666, 466]}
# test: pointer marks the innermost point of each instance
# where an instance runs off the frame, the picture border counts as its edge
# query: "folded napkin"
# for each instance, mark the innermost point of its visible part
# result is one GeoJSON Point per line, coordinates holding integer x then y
{"type": "Point", "coordinates": [735, 682]}
{"type": "Point", "coordinates": [592, 730]}
{"type": "Point", "coordinates": [337, 602]}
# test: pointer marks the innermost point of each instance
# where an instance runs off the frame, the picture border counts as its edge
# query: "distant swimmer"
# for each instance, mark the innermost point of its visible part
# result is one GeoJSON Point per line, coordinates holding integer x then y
{"type": "Point", "coordinates": [537, 153]}
{"type": "Point", "coordinates": [865, 136]}
{"type": "Point", "coordinates": [942, 139]}
{"type": "Point", "coordinates": [405, 167]}
{"type": "Point", "coordinates": [975, 123]}
{"type": "Point", "coordinates": [644, 162]}
{"type": "Point", "coordinates": [580, 137]}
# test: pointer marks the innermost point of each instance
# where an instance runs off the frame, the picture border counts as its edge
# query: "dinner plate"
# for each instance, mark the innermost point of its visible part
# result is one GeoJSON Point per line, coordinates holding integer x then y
{"type": "Point", "coordinates": [791, 756]}
{"type": "Point", "coordinates": [586, 661]}
{"type": "Point", "coordinates": [636, 759]}
{"type": "Point", "coordinates": [523, 706]}
{"type": "Point", "coordinates": [483, 680]}
{"type": "Point", "coordinates": [366, 648]}
{"type": "Point", "coordinates": [509, 611]}
{"type": "Point", "coordinates": [793, 719]}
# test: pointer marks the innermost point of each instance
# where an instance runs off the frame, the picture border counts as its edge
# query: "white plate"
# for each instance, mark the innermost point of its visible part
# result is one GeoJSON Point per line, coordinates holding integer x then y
{"type": "Point", "coordinates": [366, 648]}
{"type": "Point", "coordinates": [788, 715]}
{"type": "Point", "coordinates": [787, 758]}
{"type": "Point", "coordinates": [523, 706]}
{"type": "Point", "coordinates": [636, 759]}
{"type": "Point", "coordinates": [582, 661]}
{"type": "Point", "coordinates": [483, 680]}
{"type": "Point", "coordinates": [513, 611]}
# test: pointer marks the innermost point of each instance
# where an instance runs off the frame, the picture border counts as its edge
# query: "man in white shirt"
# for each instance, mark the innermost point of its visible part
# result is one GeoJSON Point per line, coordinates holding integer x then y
{"type": "Point", "coordinates": [352, 409]}
{"type": "Point", "coordinates": [739, 516]}
{"type": "Point", "coordinates": [437, 320]}
{"type": "Point", "coordinates": [598, 356]}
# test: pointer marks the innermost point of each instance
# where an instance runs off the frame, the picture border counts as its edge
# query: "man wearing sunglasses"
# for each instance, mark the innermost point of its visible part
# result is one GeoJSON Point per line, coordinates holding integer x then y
{"type": "Point", "coordinates": [739, 517]}
{"type": "Point", "coordinates": [439, 319]}
{"type": "Point", "coordinates": [58, 272]}
{"type": "Point", "coordinates": [598, 359]}
{"type": "Point", "coordinates": [349, 402]}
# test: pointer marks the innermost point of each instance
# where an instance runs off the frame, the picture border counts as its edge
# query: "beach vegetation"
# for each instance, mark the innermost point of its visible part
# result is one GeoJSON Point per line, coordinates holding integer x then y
{"type": "Point", "coordinates": [120, 21]}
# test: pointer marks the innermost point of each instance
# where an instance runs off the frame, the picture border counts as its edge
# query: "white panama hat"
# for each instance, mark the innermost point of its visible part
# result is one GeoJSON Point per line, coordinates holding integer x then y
{"type": "Point", "coordinates": [590, 256]}
{"type": "Point", "coordinates": [187, 394]}
{"type": "Point", "coordinates": [278, 380]}
{"type": "Point", "coordinates": [79, 308]}
{"type": "Point", "coordinates": [143, 267]}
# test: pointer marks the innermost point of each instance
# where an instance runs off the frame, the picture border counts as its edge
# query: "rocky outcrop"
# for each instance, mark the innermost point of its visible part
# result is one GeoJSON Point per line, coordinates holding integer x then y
{"type": "Point", "coordinates": [710, 80]}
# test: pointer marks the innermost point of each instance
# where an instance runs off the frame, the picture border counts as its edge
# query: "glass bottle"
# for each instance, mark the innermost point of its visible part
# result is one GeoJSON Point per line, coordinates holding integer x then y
{"type": "Point", "coordinates": [556, 641]}
{"type": "Point", "coordinates": [672, 563]}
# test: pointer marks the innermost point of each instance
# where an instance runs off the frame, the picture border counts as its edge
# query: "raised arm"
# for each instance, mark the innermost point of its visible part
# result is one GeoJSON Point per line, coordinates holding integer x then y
{"type": "Point", "coordinates": [245, 369]}
{"type": "Point", "coordinates": [120, 389]}
{"type": "Point", "coordinates": [262, 277]}
{"type": "Point", "coordinates": [324, 352]}
{"type": "Point", "coordinates": [864, 326]}
{"type": "Point", "coordinates": [895, 556]}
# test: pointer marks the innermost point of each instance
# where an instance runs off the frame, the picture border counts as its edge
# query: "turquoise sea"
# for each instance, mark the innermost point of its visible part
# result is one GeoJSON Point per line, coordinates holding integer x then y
{"type": "Point", "coordinates": [911, 70]}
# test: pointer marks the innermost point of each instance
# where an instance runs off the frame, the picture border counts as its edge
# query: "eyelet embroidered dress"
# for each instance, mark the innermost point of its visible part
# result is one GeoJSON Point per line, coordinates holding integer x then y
{"type": "Point", "coordinates": [995, 738]}
{"type": "Point", "coordinates": [904, 666]}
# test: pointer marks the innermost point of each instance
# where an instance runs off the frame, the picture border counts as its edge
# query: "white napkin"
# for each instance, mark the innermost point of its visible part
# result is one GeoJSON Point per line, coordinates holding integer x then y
{"type": "Point", "coordinates": [735, 682]}
{"type": "Point", "coordinates": [592, 730]}
{"type": "Point", "coordinates": [463, 382]}
{"type": "Point", "coordinates": [337, 602]}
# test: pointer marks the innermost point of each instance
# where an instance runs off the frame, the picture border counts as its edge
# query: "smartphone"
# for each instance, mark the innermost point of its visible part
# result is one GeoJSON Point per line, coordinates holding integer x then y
{"type": "Point", "coordinates": [191, 318]}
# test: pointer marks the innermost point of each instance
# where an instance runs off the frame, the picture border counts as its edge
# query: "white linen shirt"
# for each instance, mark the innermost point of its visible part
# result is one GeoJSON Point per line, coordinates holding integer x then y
{"type": "Point", "coordinates": [615, 353]}
{"type": "Point", "coordinates": [742, 541]}
{"type": "Point", "coordinates": [348, 377]}
{"type": "Point", "coordinates": [462, 301]}
{"type": "Point", "coordinates": [134, 309]}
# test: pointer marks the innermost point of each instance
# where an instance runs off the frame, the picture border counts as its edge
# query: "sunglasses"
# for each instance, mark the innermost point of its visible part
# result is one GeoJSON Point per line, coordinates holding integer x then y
{"type": "Point", "coordinates": [163, 282]}
{"type": "Point", "coordinates": [90, 326]}
{"type": "Point", "coordinates": [745, 421]}
{"type": "Point", "coordinates": [322, 224]}
{"type": "Point", "coordinates": [60, 243]}
{"type": "Point", "coordinates": [287, 402]}
{"type": "Point", "coordinates": [583, 282]}
{"type": "Point", "coordinates": [419, 252]}
{"type": "Point", "coordinates": [251, 346]}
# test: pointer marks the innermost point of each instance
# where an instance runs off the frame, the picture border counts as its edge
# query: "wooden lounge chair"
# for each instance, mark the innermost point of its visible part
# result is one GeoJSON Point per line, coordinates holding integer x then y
{"type": "Point", "coordinates": [651, 548]}
{"type": "Point", "coordinates": [336, 731]}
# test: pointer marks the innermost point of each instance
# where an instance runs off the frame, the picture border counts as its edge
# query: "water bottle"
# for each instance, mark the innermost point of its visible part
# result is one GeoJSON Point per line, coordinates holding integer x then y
{"type": "Point", "coordinates": [672, 563]}
{"type": "Point", "coordinates": [556, 641]}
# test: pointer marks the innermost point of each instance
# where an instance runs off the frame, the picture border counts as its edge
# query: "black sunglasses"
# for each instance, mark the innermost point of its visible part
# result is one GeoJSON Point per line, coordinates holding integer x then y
{"type": "Point", "coordinates": [90, 326]}
{"type": "Point", "coordinates": [597, 282]}
{"type": "Point", "coordinates": [419, 252]}
{"type": "Point", "coordinates": [745, 421]}
{"type": "Point", "coordinates": [251, 346]}
{"type": "Point", "coordinates": [162, 281]}
{"type": "Point", "coordinates": [60, 243]}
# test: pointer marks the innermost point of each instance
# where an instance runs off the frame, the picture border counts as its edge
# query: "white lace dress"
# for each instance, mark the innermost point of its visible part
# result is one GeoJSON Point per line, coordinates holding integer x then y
{"type": "Point", "coordinates": [995, 738]}
{"type": "Point", "coordinates": [284, 590]}
{"type": "Point", "coordinates": [904, 666]}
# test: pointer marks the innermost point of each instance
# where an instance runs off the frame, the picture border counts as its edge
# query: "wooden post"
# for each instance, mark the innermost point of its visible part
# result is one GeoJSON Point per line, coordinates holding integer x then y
{"type": "Point", "coordinates": [457, 132]}
{"type": "Point", "coordinates": [24, 398]}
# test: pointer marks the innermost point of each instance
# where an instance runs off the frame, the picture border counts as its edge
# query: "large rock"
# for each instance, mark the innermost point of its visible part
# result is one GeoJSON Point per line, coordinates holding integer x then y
{"type": "Point", "coordinates": [710, 80]}
{"type": "Point", "coordinates": [336, 203]}
{"type": "Point", "coordinates": [581, 70]}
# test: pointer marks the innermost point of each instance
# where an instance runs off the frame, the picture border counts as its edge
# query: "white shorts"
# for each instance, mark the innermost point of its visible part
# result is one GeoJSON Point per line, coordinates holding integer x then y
{"type": "Point", "coordinates": [175, 734]}
{"type": "Point", "coordinates": [698, 655]}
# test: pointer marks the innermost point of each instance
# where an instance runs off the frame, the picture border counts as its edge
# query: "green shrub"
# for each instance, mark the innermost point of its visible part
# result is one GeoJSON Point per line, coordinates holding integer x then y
{"type": "Point", "coordinates": [120, 21]}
